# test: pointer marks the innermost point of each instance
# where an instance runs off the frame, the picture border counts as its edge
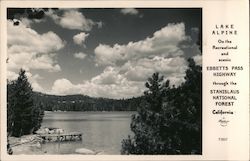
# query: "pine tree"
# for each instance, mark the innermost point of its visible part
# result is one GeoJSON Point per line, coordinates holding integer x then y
{"type": "Point", "coordinates": [191, 115]}
{"type": "Point", "coordinates": [146, 124]}
{"type": "Point", "coordinates": [23, 116]}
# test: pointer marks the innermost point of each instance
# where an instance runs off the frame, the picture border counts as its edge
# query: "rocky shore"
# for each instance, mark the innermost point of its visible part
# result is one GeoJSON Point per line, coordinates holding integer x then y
{"type": "Point", "coordinates": [27, 144]}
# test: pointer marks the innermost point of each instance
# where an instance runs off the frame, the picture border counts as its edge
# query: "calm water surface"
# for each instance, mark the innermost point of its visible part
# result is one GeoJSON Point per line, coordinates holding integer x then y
{"type": "Point", "coordinates": [102, 131]}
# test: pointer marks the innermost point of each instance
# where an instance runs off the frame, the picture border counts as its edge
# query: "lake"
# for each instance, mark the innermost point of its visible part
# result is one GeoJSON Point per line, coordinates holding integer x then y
{"type": "Point", "coordinates": [102, 131]}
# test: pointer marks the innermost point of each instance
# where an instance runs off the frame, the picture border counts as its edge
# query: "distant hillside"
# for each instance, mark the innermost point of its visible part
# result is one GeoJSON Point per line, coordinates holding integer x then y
{"type": "Point", "coordinates": [84, 103]}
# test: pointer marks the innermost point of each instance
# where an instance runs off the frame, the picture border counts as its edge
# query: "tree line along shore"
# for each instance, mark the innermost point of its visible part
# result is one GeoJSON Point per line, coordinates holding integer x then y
{"type": "Point", "coordinates": [85, 103]}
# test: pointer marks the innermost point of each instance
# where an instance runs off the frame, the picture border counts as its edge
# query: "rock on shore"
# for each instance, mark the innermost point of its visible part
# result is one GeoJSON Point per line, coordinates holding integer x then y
{"type": "Point", "coordinates": [85, 151]}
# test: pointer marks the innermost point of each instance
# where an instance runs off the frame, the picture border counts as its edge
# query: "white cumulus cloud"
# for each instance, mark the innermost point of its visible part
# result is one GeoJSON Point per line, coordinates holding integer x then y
{"type": "Point", "coordinates": [110, 75]}
{"type": "Point", "coordinates": [198, 59]}
{"type": "Point", "coordinates": [129, 11]}
{"type": "Point", "coordinates": [64, 87]}
{"type": "Point", "coordinates": [24, 39]}
{"type": "Point", "coordinates": [94, 88]}
{"type": "Point", "coordinates": [73, 19]}
{"type": "Point", "coordinates": [80, 38]}
{"type": "Point", "coordinates": [163, 43]}
{"type": "Point", "coordinates": [30, 50]}
{"type": "Point", "coordinates": [80, 55]}
{"type": "Point", "coordinates": [172, 68]}
{"type": "Point", "coordinates": [11, 75]}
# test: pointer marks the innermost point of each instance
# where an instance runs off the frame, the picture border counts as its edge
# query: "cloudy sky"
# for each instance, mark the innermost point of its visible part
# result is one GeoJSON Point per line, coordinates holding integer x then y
{"type": "Point", "coordinates": [102, 52]}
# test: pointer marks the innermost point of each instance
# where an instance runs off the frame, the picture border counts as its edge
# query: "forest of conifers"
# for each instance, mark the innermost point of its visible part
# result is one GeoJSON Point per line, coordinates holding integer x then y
{"type": "Point", "coordinates": [84, 103]}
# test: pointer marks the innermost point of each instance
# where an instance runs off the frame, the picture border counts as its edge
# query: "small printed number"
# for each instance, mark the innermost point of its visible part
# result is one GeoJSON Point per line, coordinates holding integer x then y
{"type": "Point", "coordinates": [222, 139]}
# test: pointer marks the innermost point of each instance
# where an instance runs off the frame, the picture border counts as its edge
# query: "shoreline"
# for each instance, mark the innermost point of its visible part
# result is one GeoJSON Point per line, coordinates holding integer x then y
{"type": "Point", "coordinates": [31, 144]}
{"type": "Point", "coordinates": [26, 144]}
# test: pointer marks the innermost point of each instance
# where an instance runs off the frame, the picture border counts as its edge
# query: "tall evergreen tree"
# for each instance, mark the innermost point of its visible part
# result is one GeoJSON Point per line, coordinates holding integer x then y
{"type": "Point", "coordinates": [191, 115]}
{"type": "Point", "coordinates": [23, 116]}
{"type": "Point", "coordinates": [146, 124]}
{"type": "Point", "coordinates": [23, 107]}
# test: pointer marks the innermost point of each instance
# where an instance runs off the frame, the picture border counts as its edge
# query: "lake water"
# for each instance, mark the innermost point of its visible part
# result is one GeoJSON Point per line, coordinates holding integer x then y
{"type": "Point", "coordinates": [102, 131]}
